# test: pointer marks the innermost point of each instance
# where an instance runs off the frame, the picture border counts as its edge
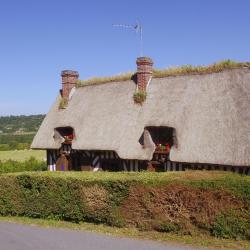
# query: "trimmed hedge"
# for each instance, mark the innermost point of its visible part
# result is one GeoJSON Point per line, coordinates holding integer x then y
{"type": "Point", "coordinates": [182, 202]}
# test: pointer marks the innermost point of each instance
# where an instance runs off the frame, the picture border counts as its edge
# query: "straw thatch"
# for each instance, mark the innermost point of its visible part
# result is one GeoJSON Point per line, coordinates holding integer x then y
{"type": "Point", "coordinates": [210, 114]}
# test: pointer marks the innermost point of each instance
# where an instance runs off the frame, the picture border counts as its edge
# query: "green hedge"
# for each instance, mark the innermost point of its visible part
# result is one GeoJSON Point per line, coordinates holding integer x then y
{"type": "Point", "coordinates": [170, 202]}
{"type": "Point", "coordinates": [32, 164]}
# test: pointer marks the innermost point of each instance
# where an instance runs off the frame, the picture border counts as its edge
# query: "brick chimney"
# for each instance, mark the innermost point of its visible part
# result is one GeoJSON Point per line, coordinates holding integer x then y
{"type": "Point", "coordinates": [69, 79]}
{"type": "Point", "coordinates": [144, 72]}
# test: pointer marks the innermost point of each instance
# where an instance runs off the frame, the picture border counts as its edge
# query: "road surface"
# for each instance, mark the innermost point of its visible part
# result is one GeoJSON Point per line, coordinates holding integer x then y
{"type": "Point", "coordinates": [25, 237]}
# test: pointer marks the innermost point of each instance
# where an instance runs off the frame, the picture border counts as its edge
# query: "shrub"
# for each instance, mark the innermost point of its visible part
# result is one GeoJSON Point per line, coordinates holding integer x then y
{"type": "Point", "coordinates": [168, 227]}
{"type": "Point", "coordinates": [230, 225]}
{"type": "Point", "coordinates": [166, 202]}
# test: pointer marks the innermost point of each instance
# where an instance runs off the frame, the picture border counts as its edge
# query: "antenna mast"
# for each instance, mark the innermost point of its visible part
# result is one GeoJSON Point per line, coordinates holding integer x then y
{"type": "Point", "coordinates": [138, 29]}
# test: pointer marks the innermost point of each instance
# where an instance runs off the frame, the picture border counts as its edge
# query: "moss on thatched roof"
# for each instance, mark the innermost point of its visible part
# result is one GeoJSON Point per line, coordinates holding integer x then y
{"type": "Point", "coordinates": [100, 80]}
{"type": "Point", "coordinates": [189, 69]}
{"type": "Point", "coordinates": [172, 71]}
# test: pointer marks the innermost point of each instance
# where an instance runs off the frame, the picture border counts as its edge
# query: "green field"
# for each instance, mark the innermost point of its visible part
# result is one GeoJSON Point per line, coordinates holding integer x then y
{"type": "Point", "coordinates": [22, 155]}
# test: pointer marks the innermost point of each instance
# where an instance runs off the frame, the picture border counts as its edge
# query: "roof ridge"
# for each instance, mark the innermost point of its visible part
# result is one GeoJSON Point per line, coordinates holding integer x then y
{"type": "Point", "coordinates": [171, 71]}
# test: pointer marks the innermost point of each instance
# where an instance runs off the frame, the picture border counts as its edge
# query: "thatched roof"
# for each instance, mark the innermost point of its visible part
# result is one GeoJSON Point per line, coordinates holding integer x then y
{"type": "Point", "coordinates": [171, 71]}
{"type": "Point", "coordinates": [210, 113]}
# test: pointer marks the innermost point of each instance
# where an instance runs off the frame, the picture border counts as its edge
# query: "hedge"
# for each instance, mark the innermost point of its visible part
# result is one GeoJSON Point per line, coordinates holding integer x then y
{"type": "Point", "coordinates": [213, 203]}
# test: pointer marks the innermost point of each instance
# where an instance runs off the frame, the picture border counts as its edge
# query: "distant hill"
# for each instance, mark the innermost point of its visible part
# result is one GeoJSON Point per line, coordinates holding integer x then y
{"type": "Point", "coordinates": [17, 132]}
{"type": "Point", "coordinates": [20, 124]}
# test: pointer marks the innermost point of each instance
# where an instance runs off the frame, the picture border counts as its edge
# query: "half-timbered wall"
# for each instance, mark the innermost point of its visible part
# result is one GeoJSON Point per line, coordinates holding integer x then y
{"type": "Point", "coordinates": [95, 160]}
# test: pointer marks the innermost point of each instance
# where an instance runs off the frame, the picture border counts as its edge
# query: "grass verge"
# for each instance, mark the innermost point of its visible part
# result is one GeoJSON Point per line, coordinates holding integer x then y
{"type": "Point", "coordinates": [197, 240]}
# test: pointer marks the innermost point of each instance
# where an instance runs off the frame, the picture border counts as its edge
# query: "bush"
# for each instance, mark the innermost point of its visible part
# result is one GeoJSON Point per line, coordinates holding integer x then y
{"type": "Point", "coordinates": [231, 225]}
{"type": "Point", "coordinates": [168, 227]}
{"type": "Point", "coordinates": [31, 164]}
{"type": "Point", "coordinates": [166, 202]}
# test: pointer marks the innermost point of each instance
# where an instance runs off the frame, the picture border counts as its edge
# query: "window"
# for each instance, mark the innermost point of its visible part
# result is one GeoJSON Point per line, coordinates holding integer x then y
{"type": "Point", "coordinates": [163, 137]}
{"type": "Point", "coordinates": [66, 132]}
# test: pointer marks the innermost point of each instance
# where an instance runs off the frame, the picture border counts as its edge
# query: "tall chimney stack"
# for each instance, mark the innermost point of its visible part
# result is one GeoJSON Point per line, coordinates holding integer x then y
{"type": "Point", "coordinates": [69, 79]}
{"type": "Point", "coordinates": [144, 72]}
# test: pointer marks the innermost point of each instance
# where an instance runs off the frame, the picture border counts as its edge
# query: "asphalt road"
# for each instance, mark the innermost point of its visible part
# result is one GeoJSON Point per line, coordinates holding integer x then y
{"type": "Point", "coordinates": [25, 237]}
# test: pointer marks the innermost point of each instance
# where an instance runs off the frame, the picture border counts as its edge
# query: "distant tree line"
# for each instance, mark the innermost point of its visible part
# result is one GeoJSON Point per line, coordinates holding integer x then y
{"type": "Point", "coordinates": [17, 132]}
{"type": "Point", "coordinates": [11, 141]}
{"type": "Point", "coordinates": [22, 123]}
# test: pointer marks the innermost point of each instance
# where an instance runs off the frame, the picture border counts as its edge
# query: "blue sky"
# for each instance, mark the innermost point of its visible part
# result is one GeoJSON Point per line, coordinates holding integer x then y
{"type": "Point", "coordinates": [38, 39]}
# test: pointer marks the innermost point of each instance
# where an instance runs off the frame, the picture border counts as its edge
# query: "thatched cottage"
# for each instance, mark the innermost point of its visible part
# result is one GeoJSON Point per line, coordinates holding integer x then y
{"type": "Point", "coordinates": [163, 120]}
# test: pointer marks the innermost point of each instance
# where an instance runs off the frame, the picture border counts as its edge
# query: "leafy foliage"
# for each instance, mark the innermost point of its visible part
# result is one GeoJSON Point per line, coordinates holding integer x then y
{"type": "Point", "coordinates": [17, 132]}
{"type": "Point", "coordinates": [22, 123]}
{"type": "Point", "coordinates": [31, 164]}
{"type": "Point", "coordinates": [231, 225]}
{"type": "Point", "coordinates": [166, 202]}
{"type": "Point", "coordinates": [15, 141]}
{"type": "Point", "coordinates": [167, 227]}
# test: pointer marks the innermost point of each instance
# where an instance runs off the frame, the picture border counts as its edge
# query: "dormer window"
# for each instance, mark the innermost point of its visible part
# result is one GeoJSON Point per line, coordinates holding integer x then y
{"type": "Point", "coordinates": [163, 138]}
{"type": "Point", "coordinates": [67, 133]}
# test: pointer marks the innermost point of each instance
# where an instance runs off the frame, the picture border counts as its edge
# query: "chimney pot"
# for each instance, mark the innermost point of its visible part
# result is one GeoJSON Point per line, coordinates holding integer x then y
{"type": "Point", "coordinates": [69, 79]}
{"type": "Point", "coordinates": [144, 72]}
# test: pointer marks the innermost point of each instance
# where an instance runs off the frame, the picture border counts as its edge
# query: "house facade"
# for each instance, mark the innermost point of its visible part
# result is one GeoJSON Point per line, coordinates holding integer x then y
{"type": "Point", "coordinates": [173, 122]}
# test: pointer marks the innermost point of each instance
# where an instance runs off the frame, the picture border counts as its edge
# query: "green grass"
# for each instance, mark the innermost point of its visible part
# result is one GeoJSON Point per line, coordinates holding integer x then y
{"type": "Point", "coordinates": [193, 240]}
{"type": "Point", "coordinates": [31, 164]}
{"type": "Point", "coordinates": [22, 155]}
{"type": "Point", "coordinates": [173, 71]}
{"type": "Point", "coordinates": [140, 96]}
{"type": "Point", "coordinates": [63, 103]}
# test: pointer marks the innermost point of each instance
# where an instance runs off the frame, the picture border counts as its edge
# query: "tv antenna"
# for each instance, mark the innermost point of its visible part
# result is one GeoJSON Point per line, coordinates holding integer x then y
{"type": "Point", "coordinates": [137, 28]}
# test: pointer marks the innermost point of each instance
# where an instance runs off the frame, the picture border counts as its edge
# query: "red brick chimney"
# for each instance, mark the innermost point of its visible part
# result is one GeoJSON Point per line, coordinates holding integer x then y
{"type": "Point", "coordinates": [69, 79]}
{"type": "Point", "coordinates": [144, 72]}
